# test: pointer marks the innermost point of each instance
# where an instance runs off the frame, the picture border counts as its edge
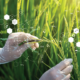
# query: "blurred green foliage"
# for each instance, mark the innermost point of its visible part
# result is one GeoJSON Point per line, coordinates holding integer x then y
{"type": "Point", "coordinates": [52, 19]}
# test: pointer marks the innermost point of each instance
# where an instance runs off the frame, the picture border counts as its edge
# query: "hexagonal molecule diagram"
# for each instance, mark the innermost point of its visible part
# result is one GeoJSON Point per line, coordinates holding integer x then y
{"type": "Point", "coordinates": [14, 21]}
{"type": "Point", "coordinates": [9, 30]}
{"type": "Point", "coordinates": [76, 30]}
{"type": "Point", "coordinates": [71, 39]}
{"type": "Point", "coordinates": [6, 17]}
{"type": "Point", "coordinates": [78, 44]}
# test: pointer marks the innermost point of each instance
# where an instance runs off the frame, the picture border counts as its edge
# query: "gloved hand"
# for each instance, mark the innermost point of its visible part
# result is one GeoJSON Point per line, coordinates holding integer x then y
{"type": "Point", "coordinates": [12, 51]}
{"type": "Point", "coordinates": [59, 72]}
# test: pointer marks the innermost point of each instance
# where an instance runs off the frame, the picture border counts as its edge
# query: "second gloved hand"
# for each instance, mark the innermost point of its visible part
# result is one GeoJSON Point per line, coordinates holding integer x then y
{"type": "Point", "coordinates": [59, 72]}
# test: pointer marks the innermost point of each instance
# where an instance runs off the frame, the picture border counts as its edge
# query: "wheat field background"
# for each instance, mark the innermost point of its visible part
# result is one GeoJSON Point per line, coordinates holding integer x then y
{"type": "Point", "coordinates": [52, 20]}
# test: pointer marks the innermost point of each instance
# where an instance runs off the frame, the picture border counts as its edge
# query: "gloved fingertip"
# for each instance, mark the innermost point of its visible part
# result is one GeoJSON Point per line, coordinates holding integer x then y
{"type": "Point", "coordinates": [34, 48]}
{"type": "Point", "coordinates": [35, 37]}
{"type": "Point", "coordinates": [27, 45]}
{"type": "Point", "coordinates": [37, 45]}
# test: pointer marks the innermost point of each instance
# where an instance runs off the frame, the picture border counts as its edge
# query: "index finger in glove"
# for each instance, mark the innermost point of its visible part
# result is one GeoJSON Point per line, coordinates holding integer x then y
{"type": "Point", "coordinates": [19, 37]}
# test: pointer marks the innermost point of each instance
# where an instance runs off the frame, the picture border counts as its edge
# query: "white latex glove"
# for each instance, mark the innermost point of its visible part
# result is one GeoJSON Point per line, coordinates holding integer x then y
{"type": "Point", "coordinates": [12, 51]}
{"type": "Point", "coordinates": [60, 72]}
